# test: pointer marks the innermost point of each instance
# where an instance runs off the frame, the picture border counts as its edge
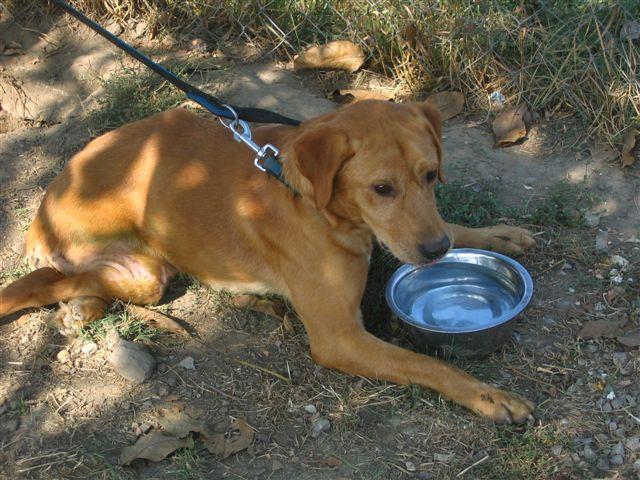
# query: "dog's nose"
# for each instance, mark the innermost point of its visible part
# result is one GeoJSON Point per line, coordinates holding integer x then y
{"type": "Point", "coordinates": [435, 249]}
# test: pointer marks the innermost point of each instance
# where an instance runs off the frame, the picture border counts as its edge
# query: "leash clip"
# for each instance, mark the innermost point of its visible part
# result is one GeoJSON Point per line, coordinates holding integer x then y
{"type": "Point", "coordinates": [242, 134]}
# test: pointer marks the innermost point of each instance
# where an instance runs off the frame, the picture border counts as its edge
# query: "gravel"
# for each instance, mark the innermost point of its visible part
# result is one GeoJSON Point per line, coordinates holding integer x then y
{"type": "Point", "coordinates": [319, 425]}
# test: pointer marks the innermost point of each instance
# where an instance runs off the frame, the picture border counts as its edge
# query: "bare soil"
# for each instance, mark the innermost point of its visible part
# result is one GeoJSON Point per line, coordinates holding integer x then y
{"type": "Point", "coordinates": [71, 418]}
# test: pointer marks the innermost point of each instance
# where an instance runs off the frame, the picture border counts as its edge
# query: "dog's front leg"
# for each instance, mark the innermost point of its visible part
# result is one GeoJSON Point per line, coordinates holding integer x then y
{"type": "Point", "coordinates": [501, 238]}
{"type": "Point", "coordinates": [330, 312]}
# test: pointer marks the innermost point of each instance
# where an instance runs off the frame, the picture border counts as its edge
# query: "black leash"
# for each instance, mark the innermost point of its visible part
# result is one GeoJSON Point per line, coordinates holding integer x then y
{"type": "Point", "coordinates": [266, 158]}
{"type": "Point", "coordinates": [212, 104]}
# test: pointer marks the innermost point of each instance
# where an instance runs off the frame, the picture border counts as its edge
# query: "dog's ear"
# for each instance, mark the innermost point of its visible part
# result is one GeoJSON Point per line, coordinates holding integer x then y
{"type": "Point", "coordinates": [319, 154]}
{"type": "Point", "coordinates": [435, 121]}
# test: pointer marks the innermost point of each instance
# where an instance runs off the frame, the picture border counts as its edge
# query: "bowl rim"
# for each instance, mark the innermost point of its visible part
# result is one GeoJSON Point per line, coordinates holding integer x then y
{"type": "Point", "coordinates": [406, 268]}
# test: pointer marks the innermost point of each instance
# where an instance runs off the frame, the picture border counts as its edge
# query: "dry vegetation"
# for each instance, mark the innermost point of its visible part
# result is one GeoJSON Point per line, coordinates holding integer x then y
{"type": "Point", "coordinates": [560, 57]}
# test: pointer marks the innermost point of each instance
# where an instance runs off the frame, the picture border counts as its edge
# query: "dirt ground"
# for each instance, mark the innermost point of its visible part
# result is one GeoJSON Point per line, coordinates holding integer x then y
{"type": "Point", "coordinates": [69, 414]}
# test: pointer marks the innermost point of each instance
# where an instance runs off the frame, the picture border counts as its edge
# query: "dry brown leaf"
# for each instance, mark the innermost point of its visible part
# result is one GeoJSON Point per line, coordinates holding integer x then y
{"type": "Point", "coordinates": [157, 320]}
{"type": "Point", "coordinates": [509, 126]}
{"type": "Point", "coordinates": [12, 48]}
{"type": "Point", "coordinates": [601, 328]}
{"type": "Point", "coordinates": [288, 324]}
{"type": "Point", "coordinates": [239, 438]}
{"type": "Point", "coordinates": [341, 55]}
{"type": "Point", "coordinates": [332, 461]}
{"type": "Point", "coordinates": [352, 96]}
{"type": "Point", "coordinates": [154, 446]}
{"type": "Point", "coordinates": [631, 339]}
{"type": "Point", "coordinates": [450, 104]}
{"type": "Point", "coordinates": [627, 155]}
{"type": "Point", "coordinates": [179, 423]}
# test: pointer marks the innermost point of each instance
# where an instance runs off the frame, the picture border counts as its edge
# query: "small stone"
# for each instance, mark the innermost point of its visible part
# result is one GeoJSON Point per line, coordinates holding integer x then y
{"type": "Point", "coordinates": [601, 438]}
{"type": "Point", "coordinates": [633, 443]}
{"type": "Point", "coordinates": [145, 427]}
{"type": "Point", "coordinates": [592, 219]}
{"type": "Point", "coordinates": [187, 363]}
{"type": "Point", "coordinates": [556, 450]}
{"type": "Point", "coordinates": [618, 449]}
{"type": "Point", "coordinates": [319, 425]}
{"type": "Point", "coordinates": [89, 347]}
{"type": "Point", "coordinates": [607, 407]}
{"type": "Point", "coordinates": [636, 464]}
{"type": "Point", "coordinates": [588, 453]}
{"type": "Point", "coordinates": [411, 467]}
{"type": "Point", "coordinates": [611, 395]}
{"type": "Point", "coordinates": [114, 28]}
{"type": "Point", "coordinates": [62, 356]}
{"type": "Point", "coordinates": [443, 457]}
{"type": "Point", "coordinates": [310, 409]}
{"type": "Point", "coordinates": [618, 403]}
{"type": "Point", "coordinates": [132, 361]}
{"type": "Point", "coordinates": [617, 460]}
{"type": "Point", "coordinates": [163, 390]}
{"type": "Point", "coordinates": [619, 261]}
{"type": "Point", "coordinates": [602, 240]}
{"type": "Point", "coordinates": [602, 464]}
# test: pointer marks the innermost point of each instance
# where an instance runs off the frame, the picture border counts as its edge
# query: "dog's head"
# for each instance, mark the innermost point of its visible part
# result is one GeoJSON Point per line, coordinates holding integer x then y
{"type": "Point", "coordinates": [378, 162]}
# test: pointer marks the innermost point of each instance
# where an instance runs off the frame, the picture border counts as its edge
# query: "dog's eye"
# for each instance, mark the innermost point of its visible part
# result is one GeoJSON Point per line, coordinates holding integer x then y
{"type": "Point", "coordinates": [431, 176]}
{"type": "Point", "coordinates": [383, 189]}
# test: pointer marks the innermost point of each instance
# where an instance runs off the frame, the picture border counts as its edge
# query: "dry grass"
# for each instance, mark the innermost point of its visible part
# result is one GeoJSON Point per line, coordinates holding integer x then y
{"type": "Point", "coordinates": [559, 57]}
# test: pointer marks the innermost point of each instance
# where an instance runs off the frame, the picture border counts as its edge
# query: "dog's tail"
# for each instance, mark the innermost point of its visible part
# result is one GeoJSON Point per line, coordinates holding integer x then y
{"type": "Point", "coordinates": [46, 286]}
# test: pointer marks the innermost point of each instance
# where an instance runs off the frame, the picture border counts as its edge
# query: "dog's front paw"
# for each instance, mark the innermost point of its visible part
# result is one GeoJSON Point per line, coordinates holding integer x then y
{"type": "Point", "coordinates": [507, 239]}
{"type": "Point", "coordinates": [503, 407]}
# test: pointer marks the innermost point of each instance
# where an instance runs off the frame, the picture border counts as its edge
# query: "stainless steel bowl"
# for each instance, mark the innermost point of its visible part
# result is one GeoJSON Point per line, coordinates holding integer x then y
{"type": "Point", "coordinates": [463, 305]}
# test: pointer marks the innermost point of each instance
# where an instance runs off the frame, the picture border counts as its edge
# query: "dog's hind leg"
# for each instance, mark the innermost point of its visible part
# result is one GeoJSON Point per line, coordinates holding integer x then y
{"type": "Point", "coordinates": [130, 277]}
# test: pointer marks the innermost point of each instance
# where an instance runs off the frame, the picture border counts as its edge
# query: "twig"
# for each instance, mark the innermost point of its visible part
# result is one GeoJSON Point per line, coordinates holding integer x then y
{"type": "Point", "coordinates": [262, 369]}
{"type": "Point", "coordinates": [483, 459]}
{"type": "Point", "coordinates": [551, 267]}
{"type": "Point", "coordinates": [527, 376]}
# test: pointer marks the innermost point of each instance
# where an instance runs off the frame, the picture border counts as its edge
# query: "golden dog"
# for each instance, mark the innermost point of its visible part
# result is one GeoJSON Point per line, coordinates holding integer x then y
{"type": "Point", "coordinates": [175, 192]}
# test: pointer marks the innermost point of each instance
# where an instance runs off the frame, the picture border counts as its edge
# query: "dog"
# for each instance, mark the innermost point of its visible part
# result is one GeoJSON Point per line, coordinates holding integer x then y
{"type": "Point", "coordinates": [175, 193]}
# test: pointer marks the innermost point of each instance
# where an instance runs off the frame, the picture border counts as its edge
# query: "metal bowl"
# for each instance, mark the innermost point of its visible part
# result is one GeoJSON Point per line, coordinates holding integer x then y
{"type": "Point", "coordinates": [464, 305]}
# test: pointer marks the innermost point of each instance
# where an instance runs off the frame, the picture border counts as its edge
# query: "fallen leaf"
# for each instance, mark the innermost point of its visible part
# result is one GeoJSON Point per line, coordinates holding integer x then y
{"type": "Point", "coordinates": [631, 339]}
{"type": "Point", "coordinates": [352, 96]}
{"type": "Point", "coordinates": [332, 461]}
{"type": "Point", "coordinates": [627, 156]}
{"type": "Point", "coordinates": [450, 104]}
{"type": "Point", "coordinates": [601, 328]}
{"type": "Point", "coordinates": [157, 320]}
{"type": "Point", "coordinates": [509, 126]}
{"type": "Point", "coordinates": [341, 55]}
{"type": "Point", "coordinates": [154, 446]}
{"type": "Point", "coordinates": [179, 423]}
{"type": "Point", "coordinates": [288, 324]}
{"type": "Point", "coordinates": [12, 48]}
{"type": "Point", "coordinates": [239, 438]}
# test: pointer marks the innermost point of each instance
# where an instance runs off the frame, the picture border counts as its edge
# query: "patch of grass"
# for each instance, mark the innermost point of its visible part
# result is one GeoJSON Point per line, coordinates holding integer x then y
{"type": "Point", "coordinates": [186, 465]}
{"type": "Point", "coordinates": [127, 326]}
{"type": "Point", "coordinates": [130, 95]}
{"type": "Point", "coordinates": [523, 454]}
{"type": "Point", "coordinates": [565, 206]}
{"type": "Point", "coordinates": [13, 274]}
{"type": "Point", "coordinates": [462, 204]}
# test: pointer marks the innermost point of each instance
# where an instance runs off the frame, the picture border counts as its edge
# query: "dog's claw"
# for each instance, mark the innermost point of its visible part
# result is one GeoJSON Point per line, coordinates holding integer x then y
{"type": "Point", "coordinates": [503, 407]}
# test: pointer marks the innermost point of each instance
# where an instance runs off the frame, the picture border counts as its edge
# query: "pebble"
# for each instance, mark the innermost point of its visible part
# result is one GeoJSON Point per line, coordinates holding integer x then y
{"type": "Point", "coordinates": [89, 347]}
{"type": "Point", "coordinates": [636, 464]}
{"type": "Point", "coordinates": [62, 356]}
{"type": "Point", "coordinates": [592, 219]}
{"type": "Point", "coordinates": [588, 453]}
{"type": "Point", "coordinates": [602, 464]}
{"type": "Point", "coordinates": [633, 443]}
{"type": "Point", "coordinates": [163, 390]}
{"type": "Point", "coordinates": [132, 361]}
{"type": "Point", "coordinates": [602, 240]}
{"type": "Point", "coordinates": [187, 363]}
{"type": "Point", "coordinates": [556, 450]}
{"type": "Point", "coordinates": [618, 449]}
{"type": "Point", "coordinates": [443, 457]}
{"type": "Point", "coordinates": [319, 425]}
{"type": "Point", "coordinates": [310, 409]}
{"type": "Point", "coordinates": [616, 460]}
{"type": "Point", "coordinates": [411, 467]}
